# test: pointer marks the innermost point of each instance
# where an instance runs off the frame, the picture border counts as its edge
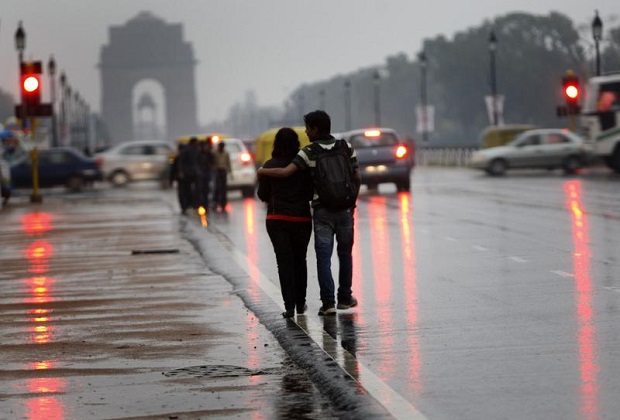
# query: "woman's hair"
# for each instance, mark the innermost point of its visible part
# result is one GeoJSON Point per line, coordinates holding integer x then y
{"type": "Point", "coordinates": [286, 143]}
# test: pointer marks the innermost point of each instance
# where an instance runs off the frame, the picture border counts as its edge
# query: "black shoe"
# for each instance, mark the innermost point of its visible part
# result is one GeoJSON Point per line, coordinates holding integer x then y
{"type": "Point", "coordinates": [288, 314]}
{"type": "Point", "coordinates": [327, 309]}
{"type": "Point", "coordinates": [346, 305]}
{"type": "Point", "coordinates": [301, 310]}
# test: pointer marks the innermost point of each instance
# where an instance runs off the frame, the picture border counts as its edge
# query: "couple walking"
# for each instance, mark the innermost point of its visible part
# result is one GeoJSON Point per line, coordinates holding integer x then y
{"type": "Point", "coordinates": [287, 183]}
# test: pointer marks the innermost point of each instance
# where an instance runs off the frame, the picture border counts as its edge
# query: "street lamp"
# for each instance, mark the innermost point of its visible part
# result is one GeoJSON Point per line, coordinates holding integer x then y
{"type": "Point", "coordinates": [20, 45]}
{"type": "Point", "coordinates": [347, 103]}
{"type": "Point", "coordinates": [20, 42]}
{"type": "Point", "coordinates": [377, 79]}
{"type": "Point", "coordinates": [63, 110]}
{"type": "Point", "coordinates": [423, 68]}
{"type": "Point", "coordinates": [492, 52]}
{"type": "Point", "coordinates": [51, 69]}
{"type": "Point", "coordinates": [597, 34]}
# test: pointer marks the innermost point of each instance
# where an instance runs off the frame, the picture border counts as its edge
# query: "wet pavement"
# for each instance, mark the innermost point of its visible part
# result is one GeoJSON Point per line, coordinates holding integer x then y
{"type": "Point", "coordinates": [108, 311]}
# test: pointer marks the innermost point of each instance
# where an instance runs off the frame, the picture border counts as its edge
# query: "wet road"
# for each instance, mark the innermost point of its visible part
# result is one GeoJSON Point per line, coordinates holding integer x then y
{"type": "Point", "coordinates": [479, 297]}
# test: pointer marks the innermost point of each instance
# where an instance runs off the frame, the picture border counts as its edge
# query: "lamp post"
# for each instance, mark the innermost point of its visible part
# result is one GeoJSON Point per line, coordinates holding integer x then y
{"type": "Point", "coordinates": [423, 68]}
{"type": "Point", "coordinates": [492, 52]}
{"type": "Point", "coordinates": [51, 69]}
{"type": "Point", "coordinates": [597, 34]}
{"type": "Point", "coordinates": [377, 79]}
{"type": "Point", "coordinates": [20, 42]}
{"type": "Point", "coordinates": [347, 103]}
{"type": "Point", "coordinates": [63, 113]}
{"type": "Point", "coordinates": [20, 45]}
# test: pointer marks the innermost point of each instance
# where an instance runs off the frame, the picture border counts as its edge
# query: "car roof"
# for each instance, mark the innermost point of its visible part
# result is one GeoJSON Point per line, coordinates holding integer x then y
{"type": "Point", "coordinates": [360, 131]}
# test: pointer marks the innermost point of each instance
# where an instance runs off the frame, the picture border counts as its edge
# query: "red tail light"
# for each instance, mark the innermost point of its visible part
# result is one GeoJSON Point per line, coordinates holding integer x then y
{"type": "Point", "coordinates": [401, 151]}
{"type": "Point", "coordinates": [245, 158]}
{"type": "Point", "coordinates": [99, 162]}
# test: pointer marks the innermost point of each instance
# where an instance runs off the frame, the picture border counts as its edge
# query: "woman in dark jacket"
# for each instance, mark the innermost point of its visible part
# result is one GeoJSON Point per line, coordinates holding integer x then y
{"type": "Point", "coordinates": [289, 222]}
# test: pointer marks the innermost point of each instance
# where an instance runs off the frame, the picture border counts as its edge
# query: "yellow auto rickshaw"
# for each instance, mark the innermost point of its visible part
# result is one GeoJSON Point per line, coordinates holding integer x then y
{"type": "Point", "coordinates": [264, 143]}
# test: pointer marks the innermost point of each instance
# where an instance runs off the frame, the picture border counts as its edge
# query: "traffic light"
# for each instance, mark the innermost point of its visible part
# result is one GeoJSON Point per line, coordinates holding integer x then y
{"type": "Point", "coordinates": [572, 91]}
{"type": "Point", "coordinates": [31, 89]}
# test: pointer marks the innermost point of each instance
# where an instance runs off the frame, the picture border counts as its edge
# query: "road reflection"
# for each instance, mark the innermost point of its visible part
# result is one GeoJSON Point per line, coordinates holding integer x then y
{"type": "Point", "coordinates": [382, 279]}
{"type": "Point", "coordinates": [411, 289]}
{"type": "Point", "coordinates": [586, 333]}
{"type": "Point", "coordinates": [39, 294]}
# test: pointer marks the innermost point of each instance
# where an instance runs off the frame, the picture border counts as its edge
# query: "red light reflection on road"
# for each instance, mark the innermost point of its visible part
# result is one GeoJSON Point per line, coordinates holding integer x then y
{"type": "Point", "coordinates": [36, 223]}
{"type": "Point", "coordinates": [249, 209]}
{"type": "Point", "coordinates": [39, 253]}
{"type": "Point", "coordinates": [382, 278]}
{"type": "Point", "coordinates": [411, 291]}
{"type": "Point", "coordinates": [46, 407]}
{"type": "Point", "coordinates": [583, 286]}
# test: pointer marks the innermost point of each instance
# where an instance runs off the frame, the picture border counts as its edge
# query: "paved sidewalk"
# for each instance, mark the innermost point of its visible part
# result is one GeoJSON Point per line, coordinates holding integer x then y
{"type": "Point", "coordinates": [107, 312]}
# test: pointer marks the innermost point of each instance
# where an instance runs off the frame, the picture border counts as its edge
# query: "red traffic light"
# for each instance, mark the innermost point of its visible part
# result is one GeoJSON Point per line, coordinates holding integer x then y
{"type": "Point", "coordinates": [570, 83]}
{"type": "Point", "coordinates": [31, 84]}
{"type": "Point", "coordinates": [571, 91]}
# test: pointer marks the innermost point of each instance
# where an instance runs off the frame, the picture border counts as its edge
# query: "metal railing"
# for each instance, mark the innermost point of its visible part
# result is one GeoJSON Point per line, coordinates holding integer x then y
{"type": "Point", "coordinates": [444, 156]}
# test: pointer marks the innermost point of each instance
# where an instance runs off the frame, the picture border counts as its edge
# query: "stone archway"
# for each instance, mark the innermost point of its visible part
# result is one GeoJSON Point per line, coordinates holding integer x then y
{"type": "Point", "coordinates": [147, 47]}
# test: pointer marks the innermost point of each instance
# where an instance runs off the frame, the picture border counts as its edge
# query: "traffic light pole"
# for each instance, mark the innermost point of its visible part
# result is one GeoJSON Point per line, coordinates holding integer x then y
{"type": "Point", "coordinates": [34, 158]}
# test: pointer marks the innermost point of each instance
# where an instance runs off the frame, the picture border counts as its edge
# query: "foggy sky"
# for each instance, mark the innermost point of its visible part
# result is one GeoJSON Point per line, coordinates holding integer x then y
{"type": "Point", "coordinates": [269, 46]}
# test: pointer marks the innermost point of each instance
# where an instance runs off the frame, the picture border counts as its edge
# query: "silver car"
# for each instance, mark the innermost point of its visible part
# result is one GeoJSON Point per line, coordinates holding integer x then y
{"type": "Point", "coordinates": [549, 148]}
{"type": "Point", "coordinates": [138, 160]}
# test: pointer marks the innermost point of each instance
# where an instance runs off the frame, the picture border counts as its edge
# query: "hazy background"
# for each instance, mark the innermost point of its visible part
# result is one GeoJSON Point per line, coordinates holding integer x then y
{"type": "Point", "coordinates": [268, 46]}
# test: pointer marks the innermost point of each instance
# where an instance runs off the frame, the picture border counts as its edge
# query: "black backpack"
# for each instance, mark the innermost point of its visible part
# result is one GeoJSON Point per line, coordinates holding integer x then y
{"type": "Point", "coordinates": [333, 177]}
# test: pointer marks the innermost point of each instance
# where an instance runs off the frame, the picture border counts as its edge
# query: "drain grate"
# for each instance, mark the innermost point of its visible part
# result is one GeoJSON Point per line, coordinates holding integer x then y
{"type": "Point", "coordinates": [213, 371]}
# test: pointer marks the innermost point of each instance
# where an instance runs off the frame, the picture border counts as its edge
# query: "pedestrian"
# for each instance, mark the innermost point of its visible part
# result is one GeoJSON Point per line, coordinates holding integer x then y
{"type": "Point", "coordinates": [222, 167]}
{"type": "Point", "coordinates": [288, 221]}
{"type": "Point", "coordinates": [328, 222]}
{"type": "Point", "coordinates": [207, 171]}
{"type": "Point", "coordinates": [189, 175]}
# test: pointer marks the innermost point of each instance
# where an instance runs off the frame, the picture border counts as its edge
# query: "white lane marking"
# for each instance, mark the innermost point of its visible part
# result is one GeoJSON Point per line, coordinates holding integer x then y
{"type": "Point", "coordinates": [613, 289]}
{"type": "Point", "coordinates": [561, 273]}
{"type": "Point", "coordinates": [397, 406]}
{"type": "Point", "coordinates": [480, 248]}
{"type": "Point", "coordinates": [518, 259]}
{"type": "Point", "coordinates": [450, 238]}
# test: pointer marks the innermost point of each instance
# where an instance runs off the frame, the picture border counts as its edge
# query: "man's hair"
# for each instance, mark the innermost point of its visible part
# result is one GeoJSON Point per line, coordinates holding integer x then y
{"type": "Point", "coordinates": [320, 120]}
{"type": "Point", "coordinates": [286, 143]}
{"type": "Point", "coordinates": [193, 140]}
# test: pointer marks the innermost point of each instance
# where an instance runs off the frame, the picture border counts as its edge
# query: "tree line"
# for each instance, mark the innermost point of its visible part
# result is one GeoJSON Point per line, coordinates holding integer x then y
{"type": "Point", "coordinates": [533, 53]}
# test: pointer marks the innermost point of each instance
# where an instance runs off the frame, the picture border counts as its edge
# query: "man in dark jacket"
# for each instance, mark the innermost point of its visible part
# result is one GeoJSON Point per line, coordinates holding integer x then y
{"type": "Point", "coordinates": [189, 175]}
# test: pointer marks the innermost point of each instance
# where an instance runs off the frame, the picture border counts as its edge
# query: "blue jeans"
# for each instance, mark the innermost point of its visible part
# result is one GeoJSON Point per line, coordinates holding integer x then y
{"type": "Point", "coordinates": [328, 224]}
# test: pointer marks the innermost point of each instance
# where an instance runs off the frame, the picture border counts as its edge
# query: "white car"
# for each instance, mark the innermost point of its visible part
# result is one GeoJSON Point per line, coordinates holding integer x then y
{"type": "Point", "coordinates": [549, 148]}
{"type": "Point", "coordinates": [139, 160]}
{"type": "Point", "coordinates": [243, 175]}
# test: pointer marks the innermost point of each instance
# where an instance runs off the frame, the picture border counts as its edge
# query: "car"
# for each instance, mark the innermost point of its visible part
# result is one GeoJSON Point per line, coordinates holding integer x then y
{"type": "Point", "coordinates": [57, 166]}
{"type": "Point", "coordinates": [138, 160]}
{"type": "Point", "coordinates": [382, 156]}
{"type": "Point", "coordinates": [243, 177]}
{"type": "Point", "coordinates": [548, 148]}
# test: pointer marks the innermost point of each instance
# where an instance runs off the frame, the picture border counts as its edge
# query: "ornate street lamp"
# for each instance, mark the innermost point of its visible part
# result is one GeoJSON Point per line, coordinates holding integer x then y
{"type": "Point", "coordinates": [492, 53]}
{"type": "Point", "coordinates": [423, 68]}
{"type": "Point", "coordinates": [51, 69]}
{"type": "Point", "coordinates": [20, 42]}
{"type": "Point", "coordinates": [597, 34]}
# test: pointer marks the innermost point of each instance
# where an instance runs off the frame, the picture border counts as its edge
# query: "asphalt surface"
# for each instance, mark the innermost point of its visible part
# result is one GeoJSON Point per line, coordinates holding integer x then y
{"type": "Point", "coordinates": [112, 307]}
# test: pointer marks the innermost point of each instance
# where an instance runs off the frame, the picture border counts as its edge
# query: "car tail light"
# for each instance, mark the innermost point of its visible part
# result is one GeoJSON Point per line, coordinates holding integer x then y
{"type": "Point", "coordinates": [372, 133]}
{"type": "Point", "coordinates": [245, 158]}
{"type": "Point", "coordinates": [401, 151]}
{"type": "Point", "coordinates": [99, 162]}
